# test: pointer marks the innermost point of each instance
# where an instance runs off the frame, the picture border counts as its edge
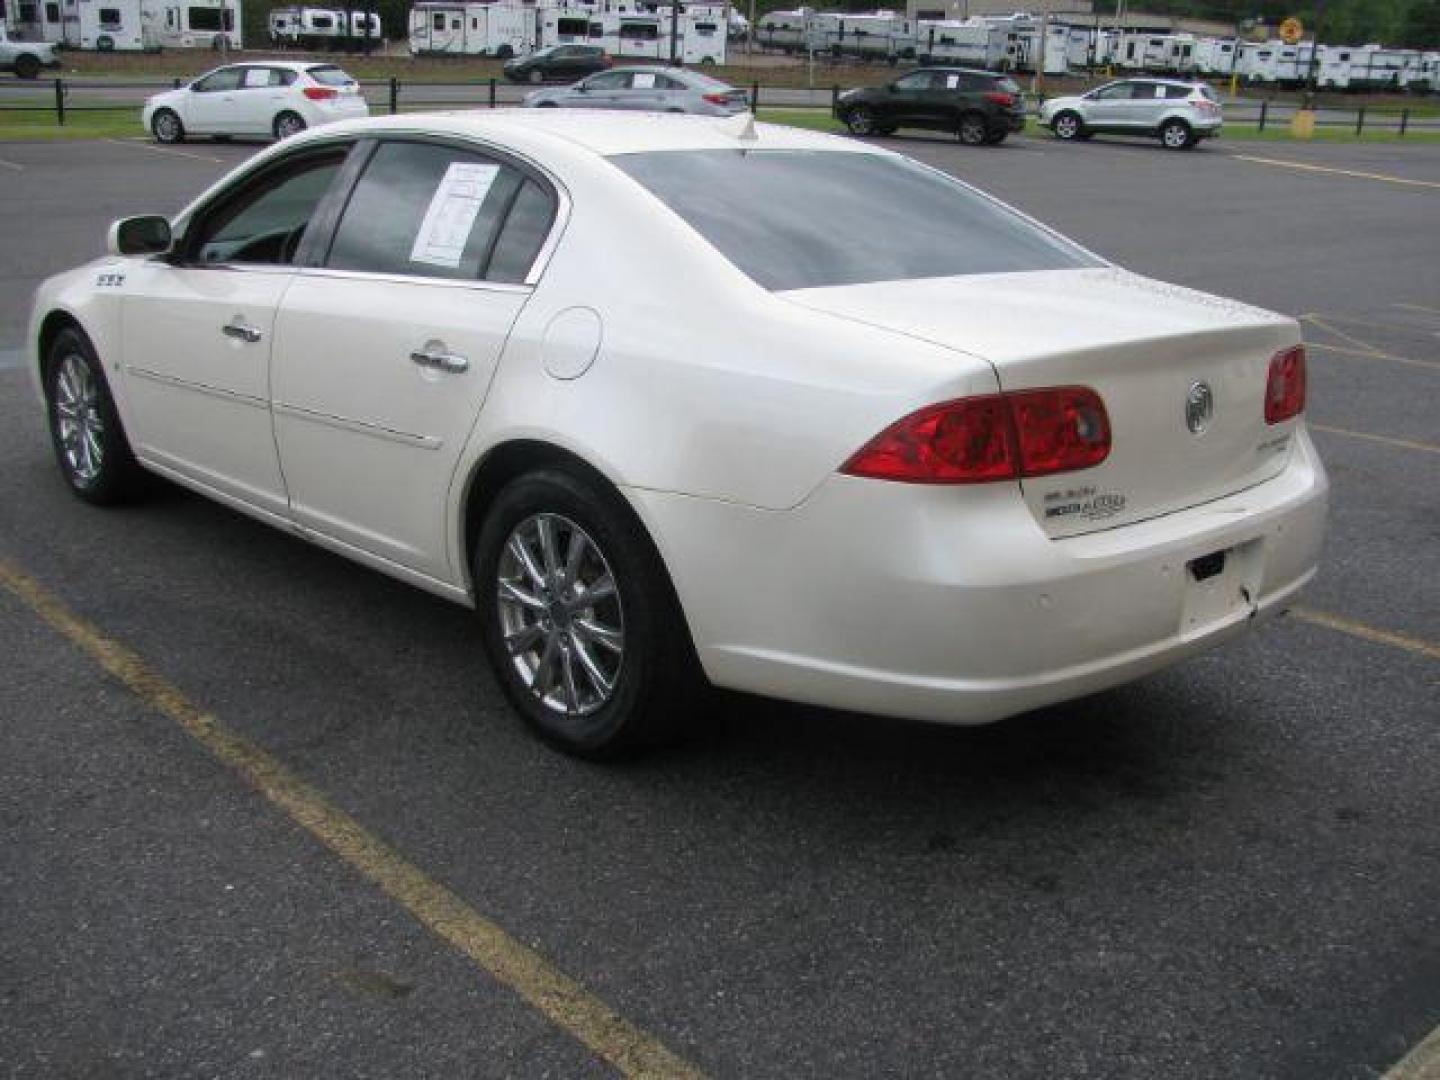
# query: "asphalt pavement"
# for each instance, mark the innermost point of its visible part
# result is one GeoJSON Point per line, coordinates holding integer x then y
{"type": "Point", "coordinates": [1228, 869]}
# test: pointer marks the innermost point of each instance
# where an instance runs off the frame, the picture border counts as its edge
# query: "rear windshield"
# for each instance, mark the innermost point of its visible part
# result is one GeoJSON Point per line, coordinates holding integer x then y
{"type": "Point", "coordinates": [795, 219]}
{"type": "Point", "coordinates": [328, 75]}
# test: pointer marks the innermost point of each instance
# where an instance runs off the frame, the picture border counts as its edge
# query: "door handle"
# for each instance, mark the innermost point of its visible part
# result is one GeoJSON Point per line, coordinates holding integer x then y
{"type": "Point", "coordinates": [435, 356]}
{"type": "Point", "coordinates": [241, 331]}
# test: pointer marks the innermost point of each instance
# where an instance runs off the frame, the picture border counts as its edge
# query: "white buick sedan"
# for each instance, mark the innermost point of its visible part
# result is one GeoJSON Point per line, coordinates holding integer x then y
{"type": "Point", "coordinates": [671, 399]}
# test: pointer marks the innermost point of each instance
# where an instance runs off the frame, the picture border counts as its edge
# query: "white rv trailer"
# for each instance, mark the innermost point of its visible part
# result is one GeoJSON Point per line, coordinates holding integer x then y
{"type": "Point", "coordinates": [473, 29]}
{"type": "Point", "coordinates": [109, 25]}
{"type": "Point", "coordinates": [949, 41]}
{"type": "Point", "coordinates": [1215, 56]}
{"type": "Point", "coordinates": [35, 20]}
{"type": "Point", "coordinates": [192, 24]}
{"type": "Point", "coordinates": [1145, 52]}
{"type": "Point", "coordinates": [788, 31]}
{"type": "Point", "coordinates": [640, 36]}
{"type": "Point", "coordinates": [879, 35]}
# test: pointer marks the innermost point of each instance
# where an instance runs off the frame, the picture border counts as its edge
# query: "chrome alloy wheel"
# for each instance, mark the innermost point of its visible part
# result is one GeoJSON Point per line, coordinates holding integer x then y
{"type": "Point", "coordinates": [78, 420]}
{"type": "Point", "coordinates": [560, 614]}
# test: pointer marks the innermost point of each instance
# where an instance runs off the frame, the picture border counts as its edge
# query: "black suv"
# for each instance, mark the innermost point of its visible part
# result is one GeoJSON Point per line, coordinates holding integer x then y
{"type": "Point", "coordinates": [558, 62]}
{"type": "Point", "coordinates": [980, 107]}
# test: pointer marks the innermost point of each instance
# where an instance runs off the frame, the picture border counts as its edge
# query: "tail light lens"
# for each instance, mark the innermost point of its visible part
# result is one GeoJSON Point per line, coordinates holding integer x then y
{"type": "Point", "coordinates": [996, 437]}
{"type": "Point", "coordinates": [1285, 386]}
{"type": "Point", "coordinates": [321, 93]}
{"type": "Point", "coordinates": [995, 97]}
{"type": "Point", "coordinates": [717, 99]}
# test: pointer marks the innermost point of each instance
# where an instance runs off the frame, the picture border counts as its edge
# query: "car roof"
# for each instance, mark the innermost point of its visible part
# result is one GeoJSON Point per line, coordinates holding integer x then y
{"type": "Point", "coordinates": [1162, 80]}
{"type": "Point", "coordinates": [288, 65]}
{"type": "Point", "coordinates": [964, 70]}
{"type": "Point", "coordinates": [602, 132]}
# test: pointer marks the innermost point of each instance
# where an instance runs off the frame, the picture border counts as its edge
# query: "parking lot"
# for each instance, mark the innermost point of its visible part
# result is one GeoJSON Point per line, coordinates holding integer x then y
{"type": "Point", "coordinates": [266, 814]}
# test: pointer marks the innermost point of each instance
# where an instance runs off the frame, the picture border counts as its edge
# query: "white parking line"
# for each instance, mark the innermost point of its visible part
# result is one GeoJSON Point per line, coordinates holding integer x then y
{"type": "Point", "coordinates": [12, 165]}
{"type": "Point", "coordinates": [1422, 1063]}
{"type": "Point", "coordinates": [1388, 440]}
{"type": "Point", "coordinates": [165, 150]}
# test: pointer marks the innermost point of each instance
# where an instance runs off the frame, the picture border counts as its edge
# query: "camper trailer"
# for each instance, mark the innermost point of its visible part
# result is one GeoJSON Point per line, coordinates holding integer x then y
{"type": "Point", "coordinates": [193, 24]}
{"type": "Point", "coordinates": [788, 31]}
{"type": "Point", "coordinates": [1215, 56]}
{"type": "Point", "coordinates": [471, 29]}
{"type": "Point", "coordinates": [880, 35]}
{"type": "Point", "coordinates": [946, 41]}
{"type": "Point", "coordinates": [108, 26]}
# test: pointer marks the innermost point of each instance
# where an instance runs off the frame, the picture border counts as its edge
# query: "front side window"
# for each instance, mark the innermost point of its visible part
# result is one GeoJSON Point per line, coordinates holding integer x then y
{"type": "Point", "coordinates": [218, 81]}
{"type": "Point", "coordinates": [265, 220]}
{"type": "Point", "coordinates": [610, 80]}
{"type": "Point", "coordinates": [436, 211]}
{"type": "Point", "coordinates": [777, 216]}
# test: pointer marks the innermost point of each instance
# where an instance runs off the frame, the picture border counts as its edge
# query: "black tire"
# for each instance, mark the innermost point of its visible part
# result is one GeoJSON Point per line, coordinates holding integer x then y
{"type": "Point", "coordinates": [1176, 135]}
{"type": "Point", "coordinates": [27, 66]}
{"type": "Point", "coordinates": [504, 52]}
{"type": "Point", "coordinates": [971, 129]}
{"type": "Point", "coordinates": [656, 681]}
{"type": "Point", "coordinates": [995, 138]}
{"type": "Point", "coordinates": [1068, 126]}
{"type": "Point", "coordinates": [85, 430]}
{"type": "Point", "coordinates": [548, 105]}
{"type": "Point", "coordinates": [536, 76]}
{"type": "Point", "coordinates": [287, 124]}
{"type": "Point", "coordinates": [860, 120]}
{"type": "Point", "coordinates": [165, 125]}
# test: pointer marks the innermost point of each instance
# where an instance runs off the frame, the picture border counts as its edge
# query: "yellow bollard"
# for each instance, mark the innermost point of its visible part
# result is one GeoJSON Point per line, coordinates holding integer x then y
{"type": "Point", "coordinates": [1302, 124]}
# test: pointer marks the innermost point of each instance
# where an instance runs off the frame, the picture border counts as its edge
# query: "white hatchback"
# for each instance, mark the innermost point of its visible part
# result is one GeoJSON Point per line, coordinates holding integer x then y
{"type": "Point", "coordinates": [668, 399]}
{"type": "Point", "coordinates": [273, 98]}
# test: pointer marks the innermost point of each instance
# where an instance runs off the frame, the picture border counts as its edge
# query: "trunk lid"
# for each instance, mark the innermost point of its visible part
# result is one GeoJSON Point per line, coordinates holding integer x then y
{"type": "Point", "coordinates": [1145, 346]}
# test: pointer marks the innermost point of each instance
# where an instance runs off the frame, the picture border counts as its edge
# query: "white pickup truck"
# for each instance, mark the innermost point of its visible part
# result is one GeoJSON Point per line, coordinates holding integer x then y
{"type": "Point", "coordinates": [26, 58]}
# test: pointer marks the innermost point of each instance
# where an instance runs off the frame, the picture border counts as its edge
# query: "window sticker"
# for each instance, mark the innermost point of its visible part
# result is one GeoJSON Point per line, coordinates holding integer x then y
{"type": "Point", "coordinates": [451, 214]}
{"type": "Point", "coordinates": [642, 80]}
{"type": "Point", "coordinates": [256, 77]}
{"type": "Point", "coordinates": [952, 82]}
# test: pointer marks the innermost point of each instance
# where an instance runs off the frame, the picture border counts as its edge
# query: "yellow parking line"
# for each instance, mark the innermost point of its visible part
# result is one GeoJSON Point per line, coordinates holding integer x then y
{"type": "Point", "coordinates": [1388, 440]}
{"type": "Point", "coordinates": [1422, 1063]}
{"type": "Point", "coordinates": [1305, 166]}
{"type": "Point", "coordinates": [1371, 354]}
{"type": "Point", "coordinates": [1368, 633]}
{"type": "Point", "coordinates": [556, 995]}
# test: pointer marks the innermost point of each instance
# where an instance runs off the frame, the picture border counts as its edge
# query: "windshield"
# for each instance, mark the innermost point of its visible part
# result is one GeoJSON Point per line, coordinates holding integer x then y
{"type": "Point", "coordinates": [796, 219]}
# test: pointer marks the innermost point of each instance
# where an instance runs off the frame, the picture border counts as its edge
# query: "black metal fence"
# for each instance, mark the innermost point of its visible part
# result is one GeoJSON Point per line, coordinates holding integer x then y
{"type": "Point", "coordinates": [62, 100]}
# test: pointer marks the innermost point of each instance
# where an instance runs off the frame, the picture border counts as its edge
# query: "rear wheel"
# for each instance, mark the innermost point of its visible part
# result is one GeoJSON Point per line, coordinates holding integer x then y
{"type": "Point", "coordinates": [27, 66]}
{"type": "Point", "coordinates": [166, 127]}
{"type": "Point", "coordinates": [287, 124]}
{"type": "Point", "coordinates": [972, 130]}
{"type": "Point", "coordinates": [579, 621]}
{"type": "Point", "coordinates": [90, 445]}
{"type": "Point", "coordinates": [1176, 135]}
{"type": "Point", "coordinates": [860, 120]}
{"type": "Point", "coordinates": [1067, 126]}
{"type": "Point", "coordinates": [996, 139]}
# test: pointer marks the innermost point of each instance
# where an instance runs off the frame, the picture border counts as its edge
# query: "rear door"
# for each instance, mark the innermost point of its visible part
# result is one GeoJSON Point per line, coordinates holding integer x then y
{"type": "Point", "coordinates": [385, 348]}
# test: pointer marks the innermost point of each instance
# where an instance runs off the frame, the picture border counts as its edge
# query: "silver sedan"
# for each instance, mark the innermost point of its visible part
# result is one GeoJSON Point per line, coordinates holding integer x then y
{"type": "Point", "coordinates": [651, 89]}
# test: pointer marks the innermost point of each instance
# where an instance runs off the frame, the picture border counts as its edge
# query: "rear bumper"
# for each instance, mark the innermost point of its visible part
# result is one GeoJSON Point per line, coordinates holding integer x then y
{"type": "Point", "coordinates": [950, 604]}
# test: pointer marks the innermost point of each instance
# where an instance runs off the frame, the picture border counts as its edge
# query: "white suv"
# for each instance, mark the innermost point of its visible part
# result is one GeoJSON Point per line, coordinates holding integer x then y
{"type": "Point", "coordinates": [1177, 112]}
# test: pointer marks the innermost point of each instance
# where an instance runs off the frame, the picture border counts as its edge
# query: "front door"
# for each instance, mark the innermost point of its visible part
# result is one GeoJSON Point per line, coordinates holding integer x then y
{"type": "Point", "coordinates": [211, 107]}
{"type": "Point", "coordinates": [198, 331]}
{"type": "Point", "coordinates": [384, 354]}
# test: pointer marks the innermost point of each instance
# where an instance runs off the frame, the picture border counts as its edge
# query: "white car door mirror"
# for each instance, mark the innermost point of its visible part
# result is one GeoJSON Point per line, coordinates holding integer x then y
{"type": "Point", "coordinates": [147, 235]}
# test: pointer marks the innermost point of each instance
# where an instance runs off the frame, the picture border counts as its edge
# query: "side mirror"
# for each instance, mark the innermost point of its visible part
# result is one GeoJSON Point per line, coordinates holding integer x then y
{"type": "Point", "coordinates": [147, 235]}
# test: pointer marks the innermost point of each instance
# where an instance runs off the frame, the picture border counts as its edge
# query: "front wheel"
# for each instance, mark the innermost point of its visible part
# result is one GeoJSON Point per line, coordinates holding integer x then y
{"type": "Point", "coordinates": [27, 67]}
{"type": "Point", "coordinates": [972, 130]}
{"type": "Point", "coordinates": [537, 76]}
{"type": "Point", "coordinates": [287, 124]}
{"type": "Point", "coordinates": [167, 128]}
{"type": "Point", "coordinates": [90, 445]}
{"type": "Point", "coordinates": [861, 121]}
{"type": "Point", "coordinates": [579, 621]}
{"type": "Point", "coordinates": [1176, 135]}
{"type": "Point", "coordinates": [1067, 126]}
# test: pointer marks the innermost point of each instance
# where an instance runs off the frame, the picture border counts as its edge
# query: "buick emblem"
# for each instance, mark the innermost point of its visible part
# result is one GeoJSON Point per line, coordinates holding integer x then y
{"type": "Point", "coordinates": [1199, 407]}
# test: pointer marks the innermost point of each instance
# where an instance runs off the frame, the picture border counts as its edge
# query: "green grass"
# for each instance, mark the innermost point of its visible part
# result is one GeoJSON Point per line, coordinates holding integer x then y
{"type": "Point", "coordinates": [17, 125]}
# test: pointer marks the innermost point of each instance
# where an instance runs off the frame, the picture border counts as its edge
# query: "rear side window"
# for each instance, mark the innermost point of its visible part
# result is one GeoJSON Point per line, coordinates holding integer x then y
{"type": "Point", "coordinates": [795, 219]}
{"type": "Point", "coordinates": [435, 211]}
{"type": "Point", "coordinates": [522, 235]}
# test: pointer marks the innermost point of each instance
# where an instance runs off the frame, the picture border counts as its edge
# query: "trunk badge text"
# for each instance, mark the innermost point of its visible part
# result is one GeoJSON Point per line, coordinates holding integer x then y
{"type": "Point", "coordinates": [1199, 407]}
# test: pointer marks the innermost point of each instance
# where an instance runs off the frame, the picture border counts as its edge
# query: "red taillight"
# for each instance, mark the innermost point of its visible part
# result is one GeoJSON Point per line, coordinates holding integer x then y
{"type": "Point", "coordinates": [995, 97]}
{"type": "Point", "coordinates": [1285, 386]}
{"type": "Point", "coordinates": [996, 437]}
{"type": "Point", "coordinates": [321, 93]}
{"type": "Point", "coordinates": [717, 99]}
